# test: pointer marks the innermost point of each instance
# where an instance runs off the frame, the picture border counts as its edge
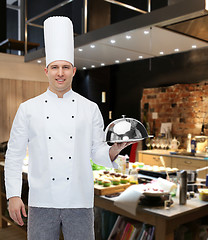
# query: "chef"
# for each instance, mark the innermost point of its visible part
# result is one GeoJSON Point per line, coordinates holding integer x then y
{"type": "Point", "coordinates": [62, 131]}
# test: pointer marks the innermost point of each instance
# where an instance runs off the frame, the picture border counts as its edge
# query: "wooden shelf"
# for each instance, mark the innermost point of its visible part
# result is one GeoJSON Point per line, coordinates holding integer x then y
{"type": "Point", "coordinates": [165, 221]}
{"type": "Point", "coordinates": [13, 44]}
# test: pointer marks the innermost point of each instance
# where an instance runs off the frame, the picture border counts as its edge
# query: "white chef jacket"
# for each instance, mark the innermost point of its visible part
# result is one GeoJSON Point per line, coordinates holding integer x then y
{"type": "Point", "coordinates": [62, 134]}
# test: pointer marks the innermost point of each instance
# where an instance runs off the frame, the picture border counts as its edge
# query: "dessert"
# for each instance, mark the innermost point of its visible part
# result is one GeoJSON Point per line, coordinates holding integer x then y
{"type": "Point", "coordinates": [116, 181]}
{"type": "Point", "coordinates": [100, 181]}
{"type": "Point", "coordinates": [124, 179]}
{"type": "Point", "coordinates": [162, 169]}
{"type": "Point", "coordinates": [174, 169]}
{"type": "Point", "coordinates": [140, 164]}
{"type": "Point", "coordinates": [106, 183]}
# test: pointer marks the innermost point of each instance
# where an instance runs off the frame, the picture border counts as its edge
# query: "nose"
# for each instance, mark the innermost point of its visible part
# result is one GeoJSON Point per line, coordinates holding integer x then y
{"type": "Point", "coordinates": [60, 72]}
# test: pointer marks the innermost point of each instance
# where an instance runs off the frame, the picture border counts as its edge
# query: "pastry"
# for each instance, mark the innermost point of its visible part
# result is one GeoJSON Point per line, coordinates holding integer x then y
{"type": "Point", "coordinates": [116, 181]}
{"type": "Point", "coordinates": [124, 179]}
{"type": "Point", "coordinates": [100, 181]}
{"type": "Point", "coordinates": [106, 183]}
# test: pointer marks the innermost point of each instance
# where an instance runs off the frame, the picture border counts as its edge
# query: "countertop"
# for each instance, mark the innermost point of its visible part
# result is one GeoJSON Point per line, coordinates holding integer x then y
{"type": "Point", "coordinates": [165, 220]}
{"type": "Point", "coordinates": [171, 153]}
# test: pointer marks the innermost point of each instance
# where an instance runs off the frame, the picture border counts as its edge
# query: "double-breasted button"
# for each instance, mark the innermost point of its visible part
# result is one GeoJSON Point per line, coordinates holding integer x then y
{"type": "Point", "coordinates": [73, 100]}
{"type": "Point", "coordinates": [53, 179]}
{"type": "Point", "coordinates": [72, 116]}
{"type": "Point", "coordinates": [47, 117]}
{"type": "Point", "coordinates": [70, 137]}
{"type": "Point", "coordinates": [51, 157]}
{"type": "Point", "coordinates": [49, 137]}
{"type": "Point", "coordinates": [68, 178]}
{"type": "Point", "coordinates": [69, 157]}
{"type": "Point", "coordinates": [46, 101]}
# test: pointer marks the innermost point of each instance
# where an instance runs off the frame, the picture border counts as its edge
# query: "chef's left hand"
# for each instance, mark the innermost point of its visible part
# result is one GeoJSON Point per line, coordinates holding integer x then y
{"type": "Point", "coordinates": [116, 148]}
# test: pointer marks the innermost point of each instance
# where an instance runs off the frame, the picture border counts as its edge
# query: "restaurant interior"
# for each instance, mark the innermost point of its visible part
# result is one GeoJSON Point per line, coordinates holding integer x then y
{"type": "Point", "coordinates": [144, 60]}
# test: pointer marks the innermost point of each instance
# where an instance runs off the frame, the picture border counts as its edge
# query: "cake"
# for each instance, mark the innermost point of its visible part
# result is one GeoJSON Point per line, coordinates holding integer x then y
{"type": "Point", "coordinates": [106, 183]}
{"type": "Point", "coordinates": [124, 179]}
{"type": "Point", "coordinates": [100, 181]}
{"type": "Point", "coordinates": [116, 181]}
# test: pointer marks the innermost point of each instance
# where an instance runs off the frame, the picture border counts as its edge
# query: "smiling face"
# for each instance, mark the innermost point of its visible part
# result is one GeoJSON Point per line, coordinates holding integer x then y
{"type": "Point", "coordinates": [60, 75]}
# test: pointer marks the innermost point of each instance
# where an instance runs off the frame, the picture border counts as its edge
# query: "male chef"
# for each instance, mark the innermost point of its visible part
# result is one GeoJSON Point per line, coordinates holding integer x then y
{"type": "Point", "coordinates": [62, 131]}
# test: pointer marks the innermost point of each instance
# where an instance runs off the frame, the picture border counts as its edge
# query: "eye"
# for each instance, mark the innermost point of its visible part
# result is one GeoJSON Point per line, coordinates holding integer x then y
{"type": "Point", "coordinates": [53, 67]}
{"type": "Point", "coordinates": [66, 67]}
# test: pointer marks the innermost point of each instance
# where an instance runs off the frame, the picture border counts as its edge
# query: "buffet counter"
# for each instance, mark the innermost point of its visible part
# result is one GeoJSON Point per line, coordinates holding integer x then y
{"type": "Point", "coordinates": [164, 220]}
{"type": "Point", "coordinates": [176, 154]}
{"type": "Point", "coordinates": [180, 160]}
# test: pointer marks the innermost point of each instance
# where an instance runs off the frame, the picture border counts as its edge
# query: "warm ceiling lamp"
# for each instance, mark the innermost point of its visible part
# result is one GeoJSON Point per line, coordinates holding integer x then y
{"type": "Point", "coordinates": [128, 37]}
{"type": "Point", "coordinates": [113, 41]}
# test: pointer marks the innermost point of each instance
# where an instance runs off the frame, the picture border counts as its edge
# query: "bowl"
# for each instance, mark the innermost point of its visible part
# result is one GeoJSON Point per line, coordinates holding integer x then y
{"type": "Point", "coordinates": [125, 130]}
{"type": "Point", "coordinates": [203, 194]}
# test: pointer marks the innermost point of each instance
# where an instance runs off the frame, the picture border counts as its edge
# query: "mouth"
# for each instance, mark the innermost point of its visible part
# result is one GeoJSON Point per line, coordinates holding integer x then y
{"type": "Point", "coordinates": [60, 80]}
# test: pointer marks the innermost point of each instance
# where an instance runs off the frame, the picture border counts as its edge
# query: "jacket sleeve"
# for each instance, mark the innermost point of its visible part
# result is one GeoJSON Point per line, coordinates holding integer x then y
{"type": "Point", "coordinates": [15, 154]}
{"type": "Point", "coordinates": [100, 149]}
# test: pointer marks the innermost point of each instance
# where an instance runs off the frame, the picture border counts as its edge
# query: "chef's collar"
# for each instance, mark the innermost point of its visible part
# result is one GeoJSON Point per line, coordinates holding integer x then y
{"type": "Point", "coordinates": [54, 95]}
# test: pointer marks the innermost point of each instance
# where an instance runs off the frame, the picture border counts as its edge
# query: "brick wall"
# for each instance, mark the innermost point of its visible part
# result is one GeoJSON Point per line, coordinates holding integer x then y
{"type": "Point", "coordinates": [184, 105]}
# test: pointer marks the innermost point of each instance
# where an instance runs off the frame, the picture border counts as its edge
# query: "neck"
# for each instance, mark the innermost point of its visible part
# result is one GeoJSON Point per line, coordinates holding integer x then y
{"type": "Point", "coordinates": [59, 94]}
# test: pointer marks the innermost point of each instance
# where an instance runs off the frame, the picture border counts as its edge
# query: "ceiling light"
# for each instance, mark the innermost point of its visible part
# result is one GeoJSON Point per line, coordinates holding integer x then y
{"type": "Point", "coordinates": [128, 59]}
{"type": "Point", "coordinates": [92, 46]}
{"type": "Point", "coordinates": [84, 68]}
{"type": "Point", "coordinates": [102, 64]}
{"type": "Point", "coordinates": [112, 41]}
{"type": "Point", "coordinates": [92, 66]}
{"type": "Point", "coordinates": [146, 32]}
{"type": "Point", "coordinates": [161, 53]}
{"type": "Point", "coordinates": [117, 61]}
{"type": "Point", "coordinates": [128, 37]}
{"type": "Point", "coordinates": [80, 49]}
{"type": "Point", "coordinates": [39, 61]}
{"type": "Point", "coordinates": [140, 57]}
{"type": "Point", "coordinates": [193, 46]}
{"type": "Point", "coordinates": [176, 50]}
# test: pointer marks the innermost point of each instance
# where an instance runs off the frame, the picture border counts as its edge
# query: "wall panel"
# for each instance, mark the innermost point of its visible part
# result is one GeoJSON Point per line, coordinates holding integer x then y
{"type": "Point", "coordinates": [12, 93]}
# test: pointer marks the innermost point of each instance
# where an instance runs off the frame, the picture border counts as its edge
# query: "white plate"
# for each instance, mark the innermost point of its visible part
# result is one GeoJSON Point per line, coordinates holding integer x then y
{"type": "Point", "coordinates": [154, 193]}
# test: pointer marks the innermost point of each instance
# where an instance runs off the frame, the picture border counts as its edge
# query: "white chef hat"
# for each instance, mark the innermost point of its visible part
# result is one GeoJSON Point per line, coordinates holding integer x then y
{"type": "Point", "coordinates": [59, 39]}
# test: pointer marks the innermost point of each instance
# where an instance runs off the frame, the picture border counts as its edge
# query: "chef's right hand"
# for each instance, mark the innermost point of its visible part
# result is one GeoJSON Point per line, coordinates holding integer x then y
{"type": "Point", "coordinates": [16, 207]}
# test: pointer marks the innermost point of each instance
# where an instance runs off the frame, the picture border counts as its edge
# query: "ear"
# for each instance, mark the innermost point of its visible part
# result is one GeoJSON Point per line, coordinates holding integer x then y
{"type": "Point", "coordinates": [46, 71]}
{"type": "Point", "coordinates": [74, 70]}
